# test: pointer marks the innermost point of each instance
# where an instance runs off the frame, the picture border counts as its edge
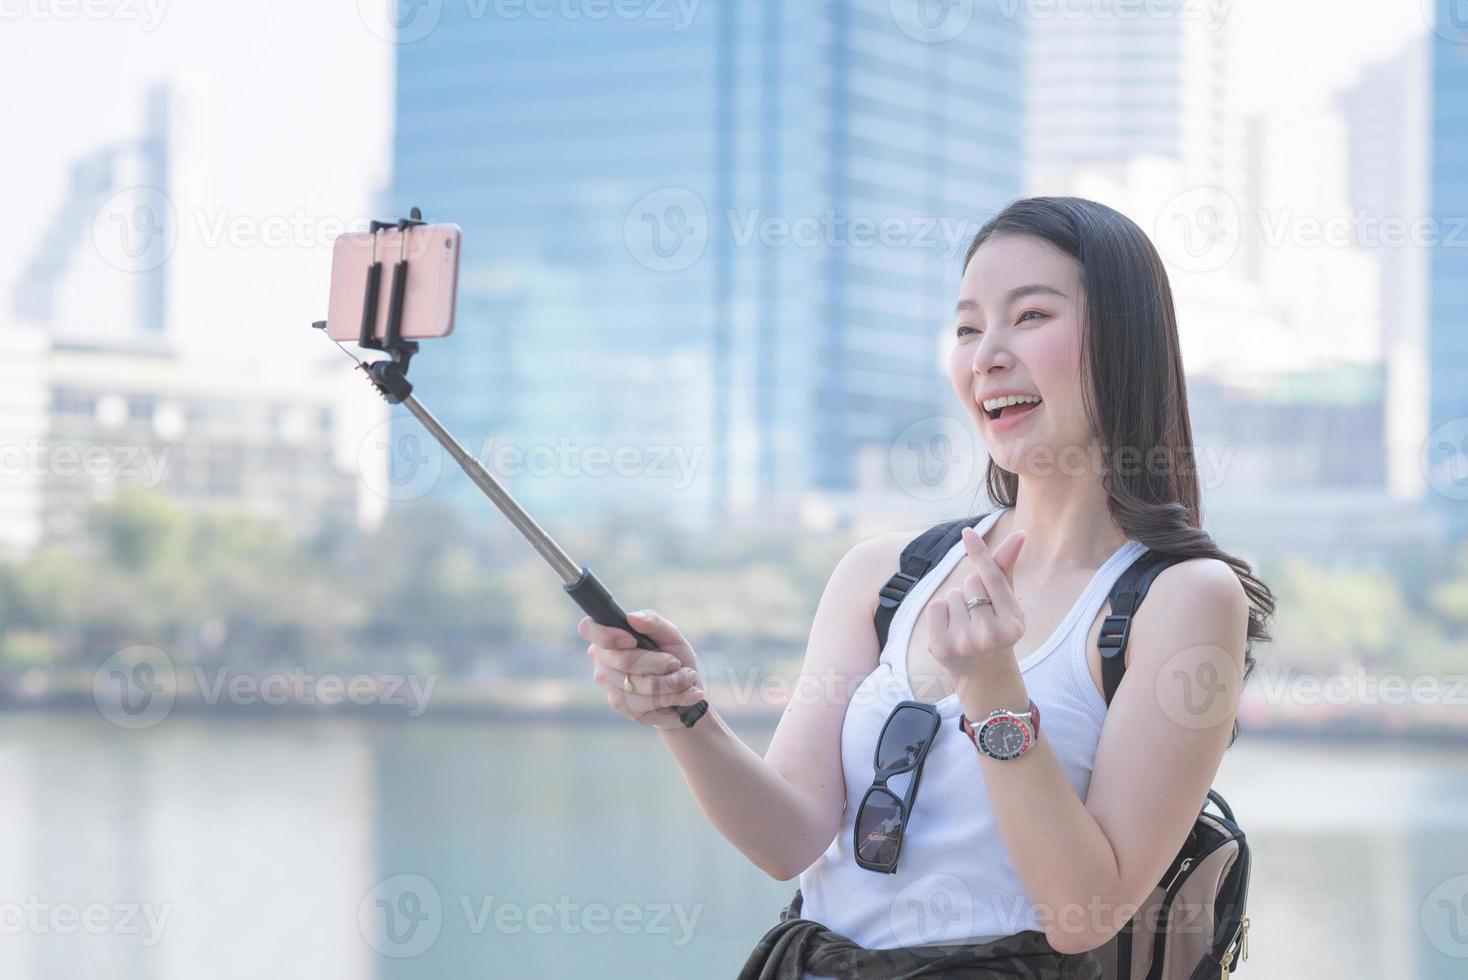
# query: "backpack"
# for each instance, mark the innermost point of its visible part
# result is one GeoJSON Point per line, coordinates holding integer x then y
{"type": "Point", "coordinates": [1193, 924]}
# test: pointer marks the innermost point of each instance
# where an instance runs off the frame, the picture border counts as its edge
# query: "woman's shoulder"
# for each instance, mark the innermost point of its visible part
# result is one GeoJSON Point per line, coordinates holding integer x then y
{"type": "Point", "coordinates": [1205, 579]}
{"type": "Point", "coordinates": [873, 560]}
{"type": "Point", "coordinates": [1196, 597]}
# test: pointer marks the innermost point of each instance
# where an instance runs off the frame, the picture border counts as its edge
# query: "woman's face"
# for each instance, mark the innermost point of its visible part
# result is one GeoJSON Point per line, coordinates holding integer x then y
{"type": "Point", "coordinates": [1018, 329]}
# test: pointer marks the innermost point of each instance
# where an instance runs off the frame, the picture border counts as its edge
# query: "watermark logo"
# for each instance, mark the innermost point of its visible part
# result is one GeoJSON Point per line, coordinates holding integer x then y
{"type": "Point", "coordinates": [931, 909]}
{"type": "Point", "coordinates": [400, 21]}
{"type": "Point", "coordinates": [414, 461]}
{"type": "Point", "coordinates": [98, 463]}
{"type": "Point", "coordinates": [135, 687]}
{"type": "Point", "coordinates": [1198, 230]}
{"type": "Point", "coordinates": [1448, 19]}
{"type": "Point", "coordinates": [148, 13]}
{"type": "Point", "coordinates": [404, 915]}
{"type": "Point", "coordinates": [135, 229]}
{"type": "Point", "coordinates": [1212, 13]}
{"type": "Point", "coordinates": [405, 21]}
{"type": "Point", "coordinates": [1445, 917]}
{"type": "Point", "coordinates": [935, 458]}
{"type": "Point", "coordinates": [1198, 687]}
{"type": "Point", "coordinates": [401, 916]}
{"type": "Point", "coordinates": [932, 21]}
{"type": "Point", "coordinates": [39, 918]}
{"type": "Point", "coordinates": [1362, 687]}
{"type": "Point", "coordinates": [408, 691]}
{"type": "Point", "coordinates": [667, 230]}
{"type": "Point", "coordinates": [1445, 459]}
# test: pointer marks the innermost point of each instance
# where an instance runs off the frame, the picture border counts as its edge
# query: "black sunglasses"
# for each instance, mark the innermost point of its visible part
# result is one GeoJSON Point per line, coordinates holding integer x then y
{"type": "Point", "coordinates": [902, 746]}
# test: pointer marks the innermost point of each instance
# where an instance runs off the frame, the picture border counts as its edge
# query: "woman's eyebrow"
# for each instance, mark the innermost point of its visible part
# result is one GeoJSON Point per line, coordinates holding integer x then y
{"type": "Point", "coordinates": [1015, 294]}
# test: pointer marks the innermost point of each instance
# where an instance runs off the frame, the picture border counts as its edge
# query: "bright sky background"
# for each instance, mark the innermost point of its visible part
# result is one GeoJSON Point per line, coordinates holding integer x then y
{"type": "Point", "coordinates": [296, 103]}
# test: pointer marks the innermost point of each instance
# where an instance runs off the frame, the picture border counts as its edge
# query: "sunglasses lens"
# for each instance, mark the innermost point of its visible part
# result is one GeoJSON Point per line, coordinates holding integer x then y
{"type": "Point", "coordinates": [905, 735]}
{"type": "Point", "coordinates": [879, 828]}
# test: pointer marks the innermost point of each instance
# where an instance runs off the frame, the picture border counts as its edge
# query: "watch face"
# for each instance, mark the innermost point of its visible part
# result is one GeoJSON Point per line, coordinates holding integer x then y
{"type": "Point", "coordinates": [1003, 738]}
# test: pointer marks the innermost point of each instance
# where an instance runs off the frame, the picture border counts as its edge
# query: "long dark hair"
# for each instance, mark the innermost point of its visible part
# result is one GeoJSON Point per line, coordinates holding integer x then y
{"type": "Point", "coordinates": [1132, 385]}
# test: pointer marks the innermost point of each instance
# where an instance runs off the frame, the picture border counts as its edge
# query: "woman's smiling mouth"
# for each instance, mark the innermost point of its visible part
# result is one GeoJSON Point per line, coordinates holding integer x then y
{"type": "Point", "coordinates": [1004, 410]}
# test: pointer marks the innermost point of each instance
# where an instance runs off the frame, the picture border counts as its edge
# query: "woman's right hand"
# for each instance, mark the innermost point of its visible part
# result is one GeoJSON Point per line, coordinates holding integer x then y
{"type": "Point", "coordinates": [644, 685]}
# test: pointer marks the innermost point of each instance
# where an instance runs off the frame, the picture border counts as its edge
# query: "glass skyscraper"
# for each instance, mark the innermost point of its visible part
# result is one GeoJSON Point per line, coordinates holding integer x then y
{"type": "Point", "coordinates": [709, 248]}
{"type": "Point", "coordinates": [1447, 306]}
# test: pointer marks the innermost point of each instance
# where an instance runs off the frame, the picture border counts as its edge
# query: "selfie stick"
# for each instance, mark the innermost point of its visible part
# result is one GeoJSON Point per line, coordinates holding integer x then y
{"type": "Point", "coordinates": [390, 378]}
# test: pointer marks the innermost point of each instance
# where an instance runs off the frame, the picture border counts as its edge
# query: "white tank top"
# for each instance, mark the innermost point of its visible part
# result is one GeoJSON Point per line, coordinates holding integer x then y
{"type": "Point", "coordinates": [954, 882]}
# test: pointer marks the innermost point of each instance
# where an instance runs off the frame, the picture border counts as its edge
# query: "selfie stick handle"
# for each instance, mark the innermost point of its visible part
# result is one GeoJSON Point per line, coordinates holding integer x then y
{"type": "Point", "coordinates": [390, 377]}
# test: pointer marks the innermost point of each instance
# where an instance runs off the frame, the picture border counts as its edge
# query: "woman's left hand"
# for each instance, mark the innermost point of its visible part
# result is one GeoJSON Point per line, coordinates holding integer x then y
{"type": "Point", "coordinates": [974, 643]}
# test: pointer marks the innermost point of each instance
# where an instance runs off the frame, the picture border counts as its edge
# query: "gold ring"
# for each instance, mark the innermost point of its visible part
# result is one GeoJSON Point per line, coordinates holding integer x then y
{"type": "Point", "coordinates": [976, 600]}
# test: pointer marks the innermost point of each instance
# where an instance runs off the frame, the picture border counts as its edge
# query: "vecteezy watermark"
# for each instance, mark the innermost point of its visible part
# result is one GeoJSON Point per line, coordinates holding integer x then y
{"type": "Point", "coordinates": [300, 228]}
{"type": "Point", "coordinates": [138, 686]}
{"type": "Point", "coordinates": [1445, 459]}
{"type": "Point", "coordinates": [669, 230]}
{"type": "Point", "coordinates": [101, 463]}
{"type": "Point", "coordinates": [1199, 229]}
{"type": "Point", "coordinates": [38, 918]}
{"type": "Point", "coordinates": [938, 458]}
{"type": "Point", "coordinates": [148, 14]}
{"type": "Point", "coordinates": [138, 228]}
{"type": "Point", "coordinates": [1444, 917]}
{"type": "Point", "coordinates": [1448, 19]}
{"type": "Point", "coordinates": [1198, 687]}
{"type": "Point", "coordinates": [1360, 229]}
{"type": "Point", "coordinates": [1362, 687]}
{"type": "Point", "coordinates": [135, 687]}
{"type": "Point", "coordinates": [932, 21]}
{"type": "Point", "coordinates": [401, 465]}
{"type": "Point", "coordinates": [1212, 13]}
{"type": "Point", "coordinates": [935, 458]}
{"type": "Point", "coordinates": [832, 229]}
{"type": "Point", "coordinates": [414, 463]}
{"type": "Point", "coordinates": [300, 688]}
{"type": "Point", "coordinates": [402, 916]}
{"type": "Point", "coordinates": [935, 909]}
{"type": "Point", "coordinates": [406, 21]}
{"type": "Point", "coordinates": [135, 229]}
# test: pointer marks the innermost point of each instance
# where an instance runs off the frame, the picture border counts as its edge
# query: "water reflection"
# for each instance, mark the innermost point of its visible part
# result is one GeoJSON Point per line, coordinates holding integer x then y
{"type": "Point", "coordinates": [347, 849]}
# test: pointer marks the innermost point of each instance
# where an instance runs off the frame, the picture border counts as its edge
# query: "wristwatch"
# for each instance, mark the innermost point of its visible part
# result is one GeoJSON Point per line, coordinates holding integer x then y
{"type": "Point", "coordinates": [1004, 734]}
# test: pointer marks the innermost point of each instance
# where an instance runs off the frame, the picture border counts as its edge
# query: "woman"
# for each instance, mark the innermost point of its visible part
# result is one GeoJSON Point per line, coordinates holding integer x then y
{"type": "Point", "coordinates": [1065, 355]}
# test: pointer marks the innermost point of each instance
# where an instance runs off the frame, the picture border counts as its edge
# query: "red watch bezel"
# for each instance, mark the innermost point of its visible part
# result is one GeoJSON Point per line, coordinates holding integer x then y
{"type": "Point", "coordinates": [1031, 736]}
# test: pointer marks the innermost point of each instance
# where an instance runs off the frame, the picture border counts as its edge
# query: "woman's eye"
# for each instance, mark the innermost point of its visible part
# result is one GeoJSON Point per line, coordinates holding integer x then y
{"type": "Point", "coordinates": [968, 328]}
{"type": "Point", "coordinates": [1027, 313]}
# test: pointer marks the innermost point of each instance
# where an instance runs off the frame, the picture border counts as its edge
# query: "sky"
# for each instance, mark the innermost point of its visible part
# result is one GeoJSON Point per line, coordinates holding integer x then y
{"type": "Point", "coordinates": [293, 101]}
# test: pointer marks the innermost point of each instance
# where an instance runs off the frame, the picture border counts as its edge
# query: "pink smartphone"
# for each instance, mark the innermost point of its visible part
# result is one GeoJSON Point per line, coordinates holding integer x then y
{"type": "Point", "coordinates": [432, 254]}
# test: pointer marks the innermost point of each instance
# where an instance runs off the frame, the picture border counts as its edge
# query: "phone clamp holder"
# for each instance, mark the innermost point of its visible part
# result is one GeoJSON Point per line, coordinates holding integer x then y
{"type": "Point", "coordinates": [389, 376]}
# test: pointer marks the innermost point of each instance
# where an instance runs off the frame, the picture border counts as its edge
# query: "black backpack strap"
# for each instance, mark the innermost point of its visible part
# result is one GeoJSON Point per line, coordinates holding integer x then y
{"type": "Point", "coordinates": [1126, 596]}
{"type": "Point", "coordinates": [917, 558]}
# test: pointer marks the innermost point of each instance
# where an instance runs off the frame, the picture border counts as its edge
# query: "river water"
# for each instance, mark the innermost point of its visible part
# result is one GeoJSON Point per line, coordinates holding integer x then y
{"type": "Point", "coordinates": [353, 849]}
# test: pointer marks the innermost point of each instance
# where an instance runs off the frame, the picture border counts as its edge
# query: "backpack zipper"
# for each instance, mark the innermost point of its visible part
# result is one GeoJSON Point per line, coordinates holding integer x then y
{"type": "Point", "coordinates": [1169, 893]}
{"type": "Point", "coordinates": [1241, 936]}
{"type": "Point", "coordinates": [1180, 869]}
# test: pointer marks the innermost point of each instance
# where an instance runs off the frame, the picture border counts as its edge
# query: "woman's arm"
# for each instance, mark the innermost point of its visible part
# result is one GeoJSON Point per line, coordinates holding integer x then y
{"type": "Point", "coordinates": [1087, 866]}
{"type": "Point", "coordinates": [783, 811]}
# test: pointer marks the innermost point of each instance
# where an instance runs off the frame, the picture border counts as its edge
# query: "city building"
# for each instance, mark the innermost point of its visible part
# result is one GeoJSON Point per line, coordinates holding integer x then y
{"type": "Point", "coordinates": [1386, 114]}
{"type": "Point", "coordinates": [1445, 450]}
{"type": "Point", "coordinates": [732, 241]}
